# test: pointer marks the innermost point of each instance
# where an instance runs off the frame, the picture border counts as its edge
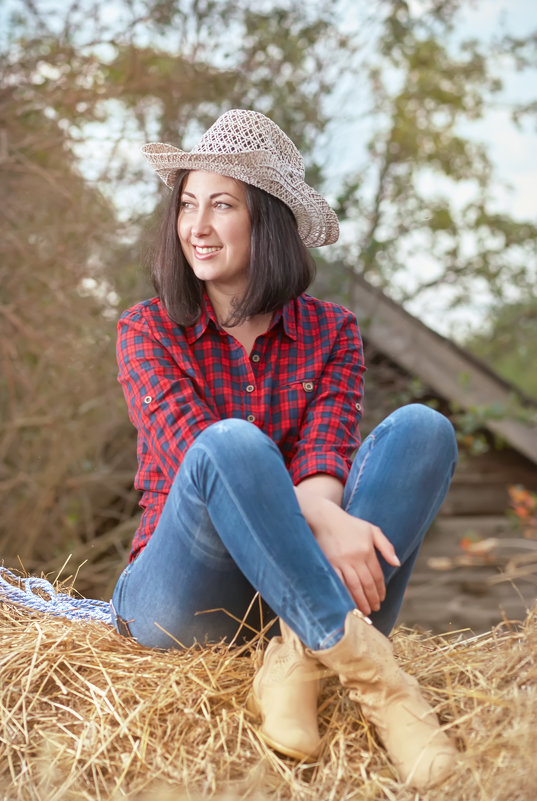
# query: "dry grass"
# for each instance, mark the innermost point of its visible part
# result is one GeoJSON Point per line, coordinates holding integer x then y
{"type": "Point", "coordinates": [86, 714]}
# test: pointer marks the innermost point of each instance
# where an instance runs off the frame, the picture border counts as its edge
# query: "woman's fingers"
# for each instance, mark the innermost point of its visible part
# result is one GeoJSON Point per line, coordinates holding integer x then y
{"type": "Point", "coordinates": [367, 591]}
{"type": "Point", "coordinates": [353, 547]}
{"type": "Point", "coordinates": [354, 585]}
{"type": "Point", "coordinates": [384, 547]}
{"type": "Point", "coordinates": [375, 571]}
{"type": "Point", "coordinates": [365, 579]}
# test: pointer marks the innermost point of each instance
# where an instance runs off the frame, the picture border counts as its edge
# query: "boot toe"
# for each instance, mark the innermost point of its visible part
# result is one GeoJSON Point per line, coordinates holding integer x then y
{"type": "Point", "coordinates": [432, 767]}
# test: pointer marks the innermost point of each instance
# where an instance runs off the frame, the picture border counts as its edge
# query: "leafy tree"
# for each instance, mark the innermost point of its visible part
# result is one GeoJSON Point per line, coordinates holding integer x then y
{"type": "Point", "coordinates": [509, 343]}
{"type": "Point", "coordinates": [59, 409]}
{"type": "Point", "coordinates": [420, 215]}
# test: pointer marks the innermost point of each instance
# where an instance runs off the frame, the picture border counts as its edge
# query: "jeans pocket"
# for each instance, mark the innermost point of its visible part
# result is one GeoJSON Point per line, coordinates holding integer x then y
{"type": "Point", "coordinates": [121, 625]}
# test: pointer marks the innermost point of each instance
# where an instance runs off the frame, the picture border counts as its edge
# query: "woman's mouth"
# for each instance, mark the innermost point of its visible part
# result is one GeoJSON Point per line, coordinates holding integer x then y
{"type": "Point", "coordinates": [206, 250]}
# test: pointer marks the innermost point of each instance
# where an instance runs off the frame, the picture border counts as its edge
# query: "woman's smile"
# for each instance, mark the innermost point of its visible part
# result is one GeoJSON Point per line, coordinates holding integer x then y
{"type": "Point", "coordinates": [203, 252]}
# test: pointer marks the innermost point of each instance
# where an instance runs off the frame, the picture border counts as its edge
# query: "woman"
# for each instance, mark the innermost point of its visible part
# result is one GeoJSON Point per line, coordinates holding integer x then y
{"type": "Point", "coordinates": [246, 394]}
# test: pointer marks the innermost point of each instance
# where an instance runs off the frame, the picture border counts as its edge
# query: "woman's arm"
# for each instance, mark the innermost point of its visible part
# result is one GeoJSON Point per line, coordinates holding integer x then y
{"type": "Point", "coordinates": [350, 544]}
{"type": "Point", "coordinates": [328, 437]}
{"type": "Point", "coordinates": [162, 399]}
{"type": "Point", "coordinates": [329, 432]}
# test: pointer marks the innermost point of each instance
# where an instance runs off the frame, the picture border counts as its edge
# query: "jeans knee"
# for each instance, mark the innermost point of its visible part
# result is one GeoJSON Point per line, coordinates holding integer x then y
{"type": "Point", "coordinates": [428, 425]}
{"type": "Point", "coordinates": [233, 438]}
{"type": "Point", "coordinates": [233, 429]}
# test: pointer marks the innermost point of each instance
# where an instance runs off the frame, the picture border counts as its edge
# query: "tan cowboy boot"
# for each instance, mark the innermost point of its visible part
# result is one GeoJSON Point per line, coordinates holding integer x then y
{"type": "Point", "coordinates": [392, 701]}
{"type": "Point", "coordinates": [284, 695]}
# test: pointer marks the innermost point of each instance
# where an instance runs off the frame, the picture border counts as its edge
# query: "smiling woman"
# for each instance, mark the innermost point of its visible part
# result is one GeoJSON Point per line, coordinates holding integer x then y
{"type": "Point", "coordinates": [246, 395]}
{"type": "Point", "coordinates": [279, 266]}
{"type": "Point", "coordinates": [214, 233]}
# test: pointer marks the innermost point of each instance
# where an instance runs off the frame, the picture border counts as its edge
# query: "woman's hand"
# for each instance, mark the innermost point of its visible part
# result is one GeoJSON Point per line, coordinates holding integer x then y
{"type": "Point", "coordinates": [349, 544]}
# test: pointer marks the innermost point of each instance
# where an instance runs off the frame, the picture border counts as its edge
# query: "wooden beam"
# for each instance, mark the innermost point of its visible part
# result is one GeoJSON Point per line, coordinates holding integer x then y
{"type": "Point", "coordinates": [448, 369]}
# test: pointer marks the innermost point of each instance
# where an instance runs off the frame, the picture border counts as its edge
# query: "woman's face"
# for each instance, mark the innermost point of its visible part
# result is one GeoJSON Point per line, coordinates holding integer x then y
{"type": "Point", "coordinates": [214, 231]}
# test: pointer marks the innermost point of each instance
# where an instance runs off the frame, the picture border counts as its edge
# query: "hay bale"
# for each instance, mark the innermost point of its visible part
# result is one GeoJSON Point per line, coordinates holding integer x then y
{"type": "Point", "coordinates": [86, 714]}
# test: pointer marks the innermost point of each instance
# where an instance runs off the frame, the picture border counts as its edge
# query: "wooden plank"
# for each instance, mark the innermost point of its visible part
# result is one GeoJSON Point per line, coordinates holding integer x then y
{"type": "Point", "coordinates": [496, 472]}
{"type": "Point", "coordinates": [446, 368]}
{"type": "Point", "coordinates": [448, 528]}
{"type": "Point", "coordinates": [484, 499]}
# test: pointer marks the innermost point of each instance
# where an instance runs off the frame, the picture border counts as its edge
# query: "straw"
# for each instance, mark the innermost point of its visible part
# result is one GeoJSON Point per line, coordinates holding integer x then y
{"type": "Point", "coordinates": [86, 714]}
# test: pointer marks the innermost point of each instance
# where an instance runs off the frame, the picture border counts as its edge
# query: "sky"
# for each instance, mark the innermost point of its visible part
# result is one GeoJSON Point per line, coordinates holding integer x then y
{"type": "Point", "coordinates": [513, 152]}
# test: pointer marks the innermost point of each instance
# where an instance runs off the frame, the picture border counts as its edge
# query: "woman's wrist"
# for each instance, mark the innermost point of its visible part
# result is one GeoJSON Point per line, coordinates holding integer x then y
{"type": "Point", "coordinates": [317, 507]}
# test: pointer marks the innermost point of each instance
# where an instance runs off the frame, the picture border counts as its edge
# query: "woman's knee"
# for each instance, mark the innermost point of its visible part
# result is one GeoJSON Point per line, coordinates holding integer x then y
{"type": "Point", "coordinates": [232, 440]}
{"type": "Point", "coordinates": [233, 430]}
{"type": "Point", "coordinates": [428, 425]}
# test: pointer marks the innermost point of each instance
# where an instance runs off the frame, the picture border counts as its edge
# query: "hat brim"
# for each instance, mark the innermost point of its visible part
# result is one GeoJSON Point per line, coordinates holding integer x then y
{"type": "Point", "coordinates": [317, 223]}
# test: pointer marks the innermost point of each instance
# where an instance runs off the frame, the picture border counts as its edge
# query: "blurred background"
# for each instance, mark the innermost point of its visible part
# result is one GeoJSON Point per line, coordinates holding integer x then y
{"type": "Point", "coordinates": [417, 119]}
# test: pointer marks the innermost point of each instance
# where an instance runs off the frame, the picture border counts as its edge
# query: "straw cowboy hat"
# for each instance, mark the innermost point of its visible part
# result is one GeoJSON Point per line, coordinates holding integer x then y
{"type": "Point", "coordinates": [250, 147]}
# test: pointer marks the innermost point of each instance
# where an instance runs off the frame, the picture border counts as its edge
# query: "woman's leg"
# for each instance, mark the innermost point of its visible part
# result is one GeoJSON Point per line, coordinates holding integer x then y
{"type": "Point", "coordinates": [399, 478]}
{"type": "Point", "coordinates": [231, 523]}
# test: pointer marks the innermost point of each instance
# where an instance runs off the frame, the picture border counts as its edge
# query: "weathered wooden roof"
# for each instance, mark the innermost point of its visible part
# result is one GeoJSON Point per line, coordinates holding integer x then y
{"type": "Point", "coordinates": [451, 371]}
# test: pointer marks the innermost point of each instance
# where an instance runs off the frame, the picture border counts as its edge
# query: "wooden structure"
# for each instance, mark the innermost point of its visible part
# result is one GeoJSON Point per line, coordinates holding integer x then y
{"type": "Point", "coordinates": [408, 361]}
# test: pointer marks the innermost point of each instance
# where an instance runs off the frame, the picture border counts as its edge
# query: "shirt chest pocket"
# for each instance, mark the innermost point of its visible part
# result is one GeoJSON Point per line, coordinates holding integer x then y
{"type": "Point", "coordinates": [290, 401]}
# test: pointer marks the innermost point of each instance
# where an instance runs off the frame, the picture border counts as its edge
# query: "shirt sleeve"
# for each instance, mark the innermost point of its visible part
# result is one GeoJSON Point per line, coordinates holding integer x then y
{"type": "Point", "coordinates": [329, 434]}
{"type": "Point", "coordinates": [162, 399]}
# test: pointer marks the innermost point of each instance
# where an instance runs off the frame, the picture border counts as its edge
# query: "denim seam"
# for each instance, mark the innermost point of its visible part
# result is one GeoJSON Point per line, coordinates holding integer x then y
{"type": "Point", "coordinates": [360, 472]}
{"type": "Point", "coordinates": [323, 646]}
{"type": "Point", "coordinates": [120, 624]}
{"type": "Point", "coordinates": [120, 584]}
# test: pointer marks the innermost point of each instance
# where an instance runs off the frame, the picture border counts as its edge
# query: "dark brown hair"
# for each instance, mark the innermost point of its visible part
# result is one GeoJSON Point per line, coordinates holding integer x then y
{"type": "Point", "coordinates": [280, 268]}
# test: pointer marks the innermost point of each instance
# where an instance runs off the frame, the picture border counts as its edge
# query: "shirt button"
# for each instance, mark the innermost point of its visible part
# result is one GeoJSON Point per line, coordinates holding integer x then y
{"type": "Point", "coordinates": [308, 386]}
{"type": "Point", "coordinates": [358, 406]}
{"type": "Point", "coordinates": [256, 357]}
{"type": "Point", "coordinates": [148, 399]}
{"type": "Point", "coordinates": [251, 418]}
{"type": "Point", "coordinates": [250, 388]}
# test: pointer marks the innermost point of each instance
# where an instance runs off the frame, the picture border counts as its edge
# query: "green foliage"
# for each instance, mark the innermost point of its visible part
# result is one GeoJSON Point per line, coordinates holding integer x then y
{"type": "Point", "coordinates": [509, 344]}
{"type": "Point", "coordinates": [405, 206]}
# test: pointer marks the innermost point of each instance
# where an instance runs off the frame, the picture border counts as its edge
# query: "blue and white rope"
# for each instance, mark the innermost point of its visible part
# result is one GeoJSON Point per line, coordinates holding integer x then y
{"type": "Point", "coordinates": [23, 593]}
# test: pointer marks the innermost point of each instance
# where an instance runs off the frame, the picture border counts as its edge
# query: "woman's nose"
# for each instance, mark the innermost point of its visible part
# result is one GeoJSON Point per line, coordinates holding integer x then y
{"type": "Point", "coordinates": [201, 224]}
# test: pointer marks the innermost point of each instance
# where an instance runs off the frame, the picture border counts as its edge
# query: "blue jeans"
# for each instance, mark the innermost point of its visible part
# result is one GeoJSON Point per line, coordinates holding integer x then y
{"type": "Point", "coordinates": [232, 526]}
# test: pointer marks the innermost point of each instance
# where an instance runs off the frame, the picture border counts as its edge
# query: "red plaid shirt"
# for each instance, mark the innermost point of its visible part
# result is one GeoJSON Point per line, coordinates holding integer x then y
{"type": "Point", "coordinates": [301, 384]}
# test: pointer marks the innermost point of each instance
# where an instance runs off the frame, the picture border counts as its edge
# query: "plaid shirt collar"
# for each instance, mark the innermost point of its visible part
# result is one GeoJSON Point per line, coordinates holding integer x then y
{"type": "Point", "coordinates": [193, 332]}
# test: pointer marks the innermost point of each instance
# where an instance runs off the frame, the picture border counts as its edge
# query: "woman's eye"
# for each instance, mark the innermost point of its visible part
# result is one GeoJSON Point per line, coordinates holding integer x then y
{"type": "Point", "coordinates": [186, 204]}
{"type": "Point", "coordinates": [222, 205]}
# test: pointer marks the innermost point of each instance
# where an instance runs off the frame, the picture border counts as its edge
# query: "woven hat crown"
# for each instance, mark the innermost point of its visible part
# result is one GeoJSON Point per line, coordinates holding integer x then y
{"type": "Point", "coordinates": [239, 131]}
{"type": "Point", "coordinates": [248, 146]}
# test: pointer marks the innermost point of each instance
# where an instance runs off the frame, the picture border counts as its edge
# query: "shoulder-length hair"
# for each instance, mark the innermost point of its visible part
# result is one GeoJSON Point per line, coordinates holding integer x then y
{"type": "Point", "coordinates": [280, 266]}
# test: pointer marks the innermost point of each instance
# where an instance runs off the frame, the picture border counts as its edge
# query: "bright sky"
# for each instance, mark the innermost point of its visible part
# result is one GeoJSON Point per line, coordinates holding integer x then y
{"type": "Point", "coordinates": [514, 152]}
